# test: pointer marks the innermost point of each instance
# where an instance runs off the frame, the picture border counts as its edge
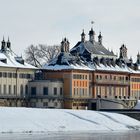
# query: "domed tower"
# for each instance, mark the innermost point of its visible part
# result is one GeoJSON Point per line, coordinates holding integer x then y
{"type": "Point", "coordinates": [3, 45]}
{"type": "Point", "coordinates": [83, 36]}
{"type": "Point", "coordinates": [100, 37]}
{"type": "Point", "coordinates": [91, 36]}
{"type": "Point", "coordinates": [138, 58]}
{"type": "Point", "coordinates": [65, 45]}
{"type": "Point", "coordinates": [8, 44]}
{"type": "Point", "coordinates": [123, 52]}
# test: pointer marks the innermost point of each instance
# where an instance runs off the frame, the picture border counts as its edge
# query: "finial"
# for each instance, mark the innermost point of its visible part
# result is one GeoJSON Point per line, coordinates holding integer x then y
{"type": "Point", "coordinates": [8, 39]}
{"type": "Point", "coordinates": [83, 32]}
{"type": "Point", "coordinates": [3, 38]}
{"type": "Point", "coordinates": [100, 35]}
{"type": "Point", "coordinates": [92, 22]}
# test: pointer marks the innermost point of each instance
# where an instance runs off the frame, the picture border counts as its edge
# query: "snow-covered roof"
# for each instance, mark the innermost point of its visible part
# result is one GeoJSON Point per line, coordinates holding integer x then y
{"type": "Point", "coordinates": [67, 67]}
{"type": "Point", "coordinates": [90, 55]}
{"type": "Point", "coordinates": [66, 61]}
{"type": "Point", "coordinates": [115, 68]}
{"type": "Point", "coordinates": [94, 48]}
{"type": "Point", "coordinates": [9, 59]}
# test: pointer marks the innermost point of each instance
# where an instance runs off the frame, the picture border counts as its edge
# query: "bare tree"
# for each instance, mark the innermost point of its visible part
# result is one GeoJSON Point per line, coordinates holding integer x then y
{"type": "Point", "coordinates": [41, 54]}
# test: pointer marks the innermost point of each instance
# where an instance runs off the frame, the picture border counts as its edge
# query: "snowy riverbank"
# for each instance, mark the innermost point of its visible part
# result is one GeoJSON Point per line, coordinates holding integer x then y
{"type": "Point", "coordinates": [28, 120]}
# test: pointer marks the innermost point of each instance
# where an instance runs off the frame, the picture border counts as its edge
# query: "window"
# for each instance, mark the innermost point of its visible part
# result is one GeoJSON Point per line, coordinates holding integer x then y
{"type": "Point", "coordinates": [45, 104]}
{"type": "Point", "coordinates": [9, 75]}
{"type": "Point", "coordinates": [21, 89]}
{"type": "Point", "coordinates": [45, 91]}
{"type": "Point", "coordinates": [26, 90]}
{"type": "Point", "coordinates": [33, 91]}
{"type": "Point", "coordinates": [105, 76]}
{"type": "Point", "coordinates": [4, 89]}
{"type": "Point", "coordinates": [14, 75]}
{"type": "Point", "coordinates": [55, 103]}
{"type": "Point", "coordinates": [90, 77]}
{"type": "Point", "coordinates": [9, 89]}
{"type": "Point", "coordinates": [0, 89]}
{"type": "Point", "coordinates": [0, 74]}
{"type": "Point", "coordinates": [5, 74]}
{"type": "Point", "coordinates": [127, 78]}
{"type": "Point", "coordinates": [28, 76]}
{"type": "Point", "coordinates": [21, 75]}
{"type": "Point", "coordinates": [14, 89]}
{"type": "Point", "coordinates": [61, 91]}
{"type": "Point", "coordinates": [97, 77]}
{"type": "Point", "coordinates": [55, 91]}
{"type": "Point", "coordinates": [100, 77]}
{"type": "Point", "coordinates": [74, 91]}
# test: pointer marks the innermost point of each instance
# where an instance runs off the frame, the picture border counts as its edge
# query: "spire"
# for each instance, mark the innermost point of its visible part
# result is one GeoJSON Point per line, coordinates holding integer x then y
{"type": "Point", "coordinates": [83, 36]}
{"type": "Point", "coordinates": [8, 43]}
{"type": "Point", "coordinates": [3, 45]}
{"type": "Point", "coordinates": [100, 38]}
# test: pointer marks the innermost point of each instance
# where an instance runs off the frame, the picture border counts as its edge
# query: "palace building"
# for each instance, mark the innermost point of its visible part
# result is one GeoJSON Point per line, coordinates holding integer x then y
{"type": "Point", "coordinates": [88, 76]}
{"type": "Point", "coordinates": [15, 74]}
{"type": "Point", "coordinates": [94, 77]}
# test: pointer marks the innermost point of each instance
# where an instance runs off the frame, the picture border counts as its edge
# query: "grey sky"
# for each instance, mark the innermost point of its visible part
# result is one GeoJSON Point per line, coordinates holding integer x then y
{"type": "Point", "coordinates": [48, 21]}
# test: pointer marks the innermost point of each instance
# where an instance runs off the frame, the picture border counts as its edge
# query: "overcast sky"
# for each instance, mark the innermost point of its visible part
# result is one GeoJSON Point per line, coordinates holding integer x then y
{"type": "Point", "coordinates": [29, 22]}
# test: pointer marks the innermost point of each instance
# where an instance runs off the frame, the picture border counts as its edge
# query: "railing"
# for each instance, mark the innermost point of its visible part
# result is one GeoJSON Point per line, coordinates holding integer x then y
{"type": "Point", "coordinates": [46, 96]}
{"type": "Point", "coordinates": [2, 96]}
{"type": "Point", "coordinates": [103, 81]}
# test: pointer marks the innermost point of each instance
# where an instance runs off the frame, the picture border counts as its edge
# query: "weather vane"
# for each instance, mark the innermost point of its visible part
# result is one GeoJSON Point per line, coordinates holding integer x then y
{"type": "Point", "coordinates": [92, 22]}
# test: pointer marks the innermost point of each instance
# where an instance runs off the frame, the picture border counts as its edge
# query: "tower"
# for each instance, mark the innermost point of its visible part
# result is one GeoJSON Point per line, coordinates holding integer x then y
{"type": "Point", "coordinates": [100, 38]}
{"type": "Point", "coordinates": [138, 58]}
{"type": "Point", "coordinates": [3, 45]}
{"type": "Point", "coordinates": [8, 44]}
{"type": "Point", "coordinates": [83, 36]}
{"type": "Point", "coordinates": [91, 35]}
{"type": "Point", "coordinates": [123, 51]}
{"type": "Point", "coordinates": [65, 45]}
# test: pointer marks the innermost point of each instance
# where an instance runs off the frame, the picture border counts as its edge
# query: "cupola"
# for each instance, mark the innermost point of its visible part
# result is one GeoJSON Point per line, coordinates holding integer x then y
{"type": "Point", "coordinates": [8, 44]}
{"type": "Point", "coordinates": [123, 51]}
{"type": "Point", "coordinates": [83, 36]}
{"type": "Point", "coordinates": [100, 38]}
{"type": "Point", "coordinates": [138, 58]}
{"type": "Point", "coordinates": [3, 45]}
{"type": "Point", "coordinates": [91, 36]}
{"type": "Point", "coordinates": [65, 45]}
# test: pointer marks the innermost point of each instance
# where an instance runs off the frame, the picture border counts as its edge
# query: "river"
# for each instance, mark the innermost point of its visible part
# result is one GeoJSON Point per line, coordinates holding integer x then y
{"type": "Point", "coordinates": [133, 135]}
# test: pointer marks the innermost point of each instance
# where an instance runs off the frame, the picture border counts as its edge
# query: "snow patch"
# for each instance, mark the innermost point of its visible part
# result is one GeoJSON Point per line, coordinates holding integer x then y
{"type": "Point", "coordinates": [29, 120]}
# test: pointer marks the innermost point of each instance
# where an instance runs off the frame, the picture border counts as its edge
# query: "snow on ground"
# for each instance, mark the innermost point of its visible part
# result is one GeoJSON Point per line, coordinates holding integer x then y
{"type": "Point", "coordinates": [29, 120]}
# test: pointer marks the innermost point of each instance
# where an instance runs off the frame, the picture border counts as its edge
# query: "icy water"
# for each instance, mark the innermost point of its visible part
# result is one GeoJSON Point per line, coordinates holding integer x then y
{"type": "Point", "coordinates": [133, 135]}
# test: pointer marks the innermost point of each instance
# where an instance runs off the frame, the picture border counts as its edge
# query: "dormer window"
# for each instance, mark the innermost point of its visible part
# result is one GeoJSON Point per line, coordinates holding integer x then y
{"type": "Point", "coordinates": [3, 61]}
{"type": "Point", "coordinates": [20, 60]}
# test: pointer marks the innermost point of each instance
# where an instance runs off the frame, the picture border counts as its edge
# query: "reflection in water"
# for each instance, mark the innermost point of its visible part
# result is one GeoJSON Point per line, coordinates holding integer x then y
{"type": "Point", "coordinates": [69, 136]}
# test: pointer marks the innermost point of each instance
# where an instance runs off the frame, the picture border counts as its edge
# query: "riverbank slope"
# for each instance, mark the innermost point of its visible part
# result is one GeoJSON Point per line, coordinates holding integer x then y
{"type": "Point", "coordinates": [33, 120]}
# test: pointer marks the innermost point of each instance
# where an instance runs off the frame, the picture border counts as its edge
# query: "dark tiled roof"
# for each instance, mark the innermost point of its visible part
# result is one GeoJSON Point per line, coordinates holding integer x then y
{"type": "Point", "coordinates": [93, 48]}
